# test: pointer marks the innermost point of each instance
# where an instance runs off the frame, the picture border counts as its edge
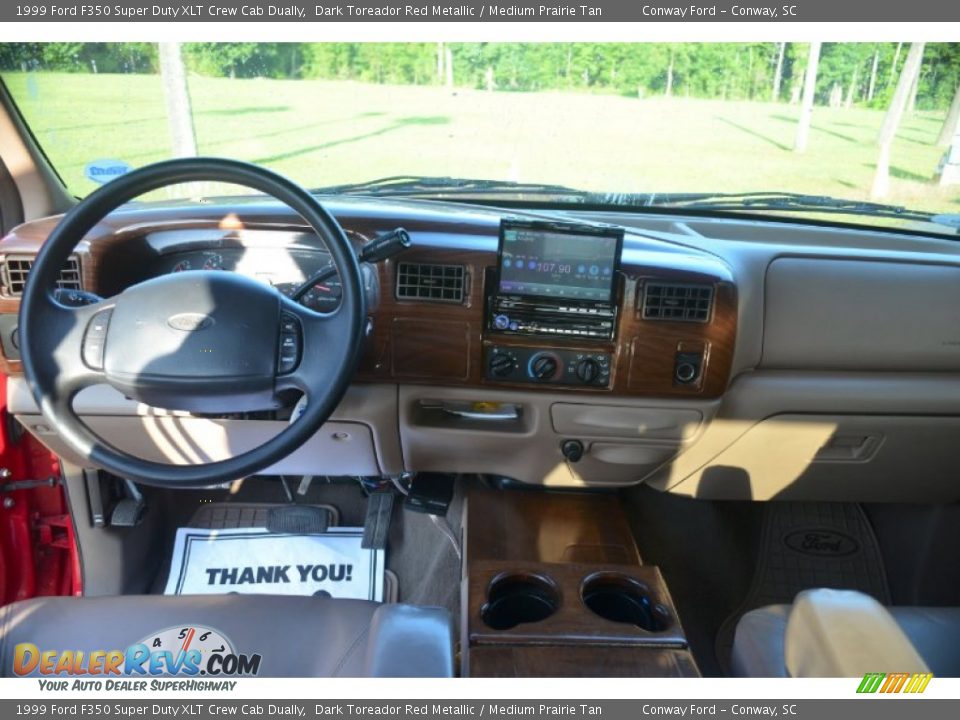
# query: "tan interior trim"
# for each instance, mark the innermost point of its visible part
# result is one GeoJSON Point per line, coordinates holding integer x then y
{"type": "Point", "coordinates": [41, 191]}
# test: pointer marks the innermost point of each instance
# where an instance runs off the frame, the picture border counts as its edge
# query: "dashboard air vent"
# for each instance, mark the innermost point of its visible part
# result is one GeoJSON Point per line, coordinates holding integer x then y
{"type": "Point", "coordinates": [437, 283]}
{"type": "Point", "coordinates": [15, 269]}
{"type": "Point", "coordinates": [677, 302]}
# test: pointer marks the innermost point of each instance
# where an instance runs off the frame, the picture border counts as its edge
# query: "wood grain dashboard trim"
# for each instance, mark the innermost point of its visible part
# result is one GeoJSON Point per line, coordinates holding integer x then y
{"type": "Point", "coordinates": [643, 351]}
{"type": "Point", "coordinates": [415, 341]}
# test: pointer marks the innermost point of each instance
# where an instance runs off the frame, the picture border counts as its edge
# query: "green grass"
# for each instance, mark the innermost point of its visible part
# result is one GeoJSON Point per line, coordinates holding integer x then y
{"type": "Point", "coordinates": [322, 132]}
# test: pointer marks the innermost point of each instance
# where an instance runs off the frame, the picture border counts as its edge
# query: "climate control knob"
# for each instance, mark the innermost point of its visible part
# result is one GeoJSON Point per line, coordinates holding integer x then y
{"type": "Point", "coordinates": [588, 370]}
{"type": "Point", "coordinates": [502, 364]}
{"type": "Point", "coordinates": [543, 366]}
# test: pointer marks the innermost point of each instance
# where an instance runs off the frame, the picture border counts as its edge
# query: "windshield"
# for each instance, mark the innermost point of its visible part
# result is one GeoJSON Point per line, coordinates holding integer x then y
{"type": "Point", "coordinates": [856, 122]}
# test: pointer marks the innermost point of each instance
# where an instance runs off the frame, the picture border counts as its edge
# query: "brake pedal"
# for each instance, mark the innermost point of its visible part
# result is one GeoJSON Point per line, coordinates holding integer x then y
{"type": "Point", "coordinates": [129, 511]}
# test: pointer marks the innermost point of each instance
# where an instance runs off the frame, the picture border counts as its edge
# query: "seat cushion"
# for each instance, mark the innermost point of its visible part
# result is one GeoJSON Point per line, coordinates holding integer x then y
{"type": "Point", "coordinates": [295, 636]}
{"type": "Point", "coordinates": [758, 648]}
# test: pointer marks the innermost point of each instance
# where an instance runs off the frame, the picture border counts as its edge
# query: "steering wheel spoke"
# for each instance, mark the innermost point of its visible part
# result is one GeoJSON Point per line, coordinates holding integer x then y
{"type": "Point", "coordinates": [71, 346]}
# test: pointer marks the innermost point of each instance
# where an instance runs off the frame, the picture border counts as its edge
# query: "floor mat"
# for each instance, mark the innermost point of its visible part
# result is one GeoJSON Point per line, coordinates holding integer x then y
{"type": "Point", "coordinates": [809, 545]}
{"type": "Point", "coordinates": [219, 516]}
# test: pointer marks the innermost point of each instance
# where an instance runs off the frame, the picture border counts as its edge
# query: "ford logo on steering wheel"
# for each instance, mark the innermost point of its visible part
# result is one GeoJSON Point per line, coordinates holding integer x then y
{"type": "Point", "coordinates": [190, 322]}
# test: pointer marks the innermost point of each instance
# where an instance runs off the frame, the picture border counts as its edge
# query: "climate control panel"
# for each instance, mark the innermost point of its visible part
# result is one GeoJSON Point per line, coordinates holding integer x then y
{"type": "Point", "coordinates": [547, 366]}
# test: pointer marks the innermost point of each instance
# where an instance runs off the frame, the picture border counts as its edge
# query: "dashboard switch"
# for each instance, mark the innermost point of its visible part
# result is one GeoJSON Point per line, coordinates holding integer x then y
{"type": "Point", "coordinates": [572, 450]}
{"type": "Point", "coordinates": [543, 366]}
{"type": "Point", "coordinates": [502, 364]}
{"type": "Point", "coordinates": [687, 368]}
{"type": "Point", "coordinates": [588, 370]}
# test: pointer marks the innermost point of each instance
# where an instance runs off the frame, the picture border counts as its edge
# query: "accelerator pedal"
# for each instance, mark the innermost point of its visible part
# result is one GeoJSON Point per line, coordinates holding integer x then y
{"type": "Point", "coordinates": [376, 526]}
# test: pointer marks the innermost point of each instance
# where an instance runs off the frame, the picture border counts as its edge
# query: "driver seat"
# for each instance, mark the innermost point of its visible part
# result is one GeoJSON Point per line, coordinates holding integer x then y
{"type": "Point", "coordinates": [295, 636]}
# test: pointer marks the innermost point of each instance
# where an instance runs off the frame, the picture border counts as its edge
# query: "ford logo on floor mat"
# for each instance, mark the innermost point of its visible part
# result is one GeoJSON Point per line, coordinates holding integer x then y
{"type": "Point", "coordinates": [821, 542]}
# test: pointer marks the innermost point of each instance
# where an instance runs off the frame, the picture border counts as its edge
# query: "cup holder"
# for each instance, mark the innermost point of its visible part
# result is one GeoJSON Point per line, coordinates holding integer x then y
{"type": "Point", "coordinates": [622, 599]}
{"type": "Point", "coordinates": [519, 598]}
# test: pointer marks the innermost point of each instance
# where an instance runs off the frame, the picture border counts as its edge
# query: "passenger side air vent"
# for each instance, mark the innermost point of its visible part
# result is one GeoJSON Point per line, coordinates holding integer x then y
{"type": "Point", "coordinates": [437, 283]}
{"type": "Point", "coordinates": [16, 268]}
{"type": "Point", "coordinates": [677, 302]}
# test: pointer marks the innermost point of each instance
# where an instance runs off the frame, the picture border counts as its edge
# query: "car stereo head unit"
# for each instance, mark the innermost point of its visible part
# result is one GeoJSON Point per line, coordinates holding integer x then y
{"type": "Point", "coordinates": [556, 279]}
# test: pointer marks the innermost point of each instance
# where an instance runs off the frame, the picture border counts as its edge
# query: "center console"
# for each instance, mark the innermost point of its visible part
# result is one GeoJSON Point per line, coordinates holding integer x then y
{"type": "Point", "coordinates": [553, 282]}
{"type": "Point", "coordinates": [553, 586]}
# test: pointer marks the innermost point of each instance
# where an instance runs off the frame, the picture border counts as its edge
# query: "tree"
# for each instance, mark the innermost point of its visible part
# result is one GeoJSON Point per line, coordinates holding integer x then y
{"type": "Point", "coordinates": [778, 72]}
{"type": "Point", "coordinates": [951, 123]}
{"type": "Point", "coordinates": [873, 74]}
{"type": "Point", "coordinates": [893, 65]}
{"type": "Point", "coordinates": [908, 76]}
{"type": "Point", "coordinates": [809, 91]}
{"type": "Point", "coordinates": [177, 95]}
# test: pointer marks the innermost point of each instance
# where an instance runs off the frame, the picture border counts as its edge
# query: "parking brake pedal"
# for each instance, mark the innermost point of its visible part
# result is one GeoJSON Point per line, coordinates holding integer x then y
{"type": "Point", "coordinates": [376, 526]}
{"type": "Point", "coordinates": [128, 512]}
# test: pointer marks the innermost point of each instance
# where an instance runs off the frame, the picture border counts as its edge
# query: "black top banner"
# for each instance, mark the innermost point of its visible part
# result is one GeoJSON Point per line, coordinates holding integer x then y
{"type": "Point", "coordinates": [489, 11]}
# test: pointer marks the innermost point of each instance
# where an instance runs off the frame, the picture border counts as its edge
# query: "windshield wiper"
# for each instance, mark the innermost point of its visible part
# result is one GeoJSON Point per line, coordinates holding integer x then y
{"type": "Point", "coordinates": [413, 185]}
{"type": "Point", "coordinates": [760, 201]}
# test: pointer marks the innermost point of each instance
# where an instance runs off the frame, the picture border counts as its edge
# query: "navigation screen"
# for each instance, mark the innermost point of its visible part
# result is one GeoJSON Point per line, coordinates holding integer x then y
{"type": "Point", "coordinates": [555, 263]}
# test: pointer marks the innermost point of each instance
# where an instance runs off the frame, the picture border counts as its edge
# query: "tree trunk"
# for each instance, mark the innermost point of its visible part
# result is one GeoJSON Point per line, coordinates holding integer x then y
{"type": "Point", "coordinates": [441, 59]}
{"type": "Point", "coordinates": [950, 170]}
{"type": "Point", "coordinates": [951, 123]}
{"type": "Point", "coordinates": [448, 59]}
{"type": "Point", "coordinates": [809, 91]}
{"type": "Point", "coordinates": [488, 79]}
{"type": "Point", "coordinates": [670, 76]}
{"type": "Point", "coordinates": [911, 70]}
{"type": "Point", "coordinates": [777, 74]}
{"type": "Point", "coordinates": [873, 75]}
{"type": "Point", "coordinates": [912, 100]}
{"type": "Point", "coordinates": [852, 90]}
{"type": "Point", "coordinates": [893, 67]}
{"type": "Point", "coordinates": [177, 94]}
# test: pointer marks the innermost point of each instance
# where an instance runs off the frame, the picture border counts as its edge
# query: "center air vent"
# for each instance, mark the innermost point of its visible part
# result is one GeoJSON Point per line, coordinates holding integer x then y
{"type": "Point", "coordinates": [677, 302]}
{"type": "Point", "coordinates": [16, 268]}
{"type": "Point", "coordinates": [423, 281]}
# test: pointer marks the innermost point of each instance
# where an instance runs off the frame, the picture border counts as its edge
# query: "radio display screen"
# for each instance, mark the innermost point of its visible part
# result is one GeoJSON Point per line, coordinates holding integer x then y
{"type": "Point", "coordinates": [560, 263]}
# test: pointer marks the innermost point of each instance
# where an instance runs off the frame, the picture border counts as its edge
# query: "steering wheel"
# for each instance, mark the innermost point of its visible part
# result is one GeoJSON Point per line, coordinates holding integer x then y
{"type": "Point", "coordinates": [202, 341]}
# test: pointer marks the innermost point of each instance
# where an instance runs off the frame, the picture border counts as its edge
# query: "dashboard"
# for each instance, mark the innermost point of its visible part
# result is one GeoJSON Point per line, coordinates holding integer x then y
{"type": "Point", "coordinates": [480, 299]}
{"type": "Point", "coordinates": [709, 357]}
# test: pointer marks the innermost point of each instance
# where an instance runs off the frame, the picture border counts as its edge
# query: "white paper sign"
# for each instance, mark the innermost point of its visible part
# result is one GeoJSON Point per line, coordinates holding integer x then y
{"type": "Point", "coordinates": [255, 561]}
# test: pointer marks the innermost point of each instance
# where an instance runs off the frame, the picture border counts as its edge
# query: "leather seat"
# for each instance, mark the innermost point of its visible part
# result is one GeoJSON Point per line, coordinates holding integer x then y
{"type": "Point", "coordinates": [295, 636]}
{"type": "Point", "coordinates": [760, 645]}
